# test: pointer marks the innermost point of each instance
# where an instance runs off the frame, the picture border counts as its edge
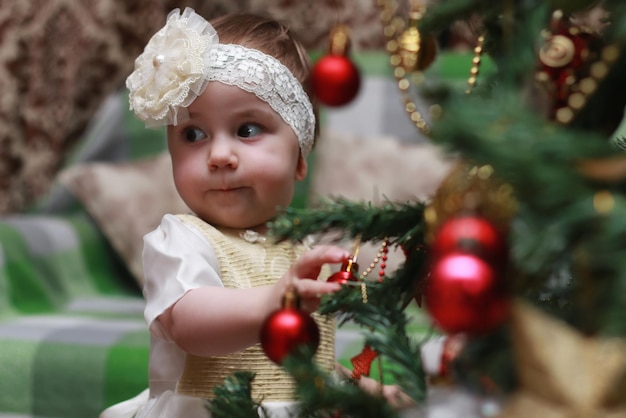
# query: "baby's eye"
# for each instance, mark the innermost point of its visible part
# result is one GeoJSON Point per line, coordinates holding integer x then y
{"type": "Point", "coordinates": [194, 134]}
{"type": "Point", "coordinates": [248, 130]}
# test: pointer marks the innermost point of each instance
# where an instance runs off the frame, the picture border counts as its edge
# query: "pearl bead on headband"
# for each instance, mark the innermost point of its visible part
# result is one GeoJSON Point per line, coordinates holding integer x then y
{"type": "Point", "coordinates": [182, 57]}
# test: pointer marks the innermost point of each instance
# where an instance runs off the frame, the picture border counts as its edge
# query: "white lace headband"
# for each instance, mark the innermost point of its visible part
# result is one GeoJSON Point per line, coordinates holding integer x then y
{"type": "Point", "coordinates": [179, 61]}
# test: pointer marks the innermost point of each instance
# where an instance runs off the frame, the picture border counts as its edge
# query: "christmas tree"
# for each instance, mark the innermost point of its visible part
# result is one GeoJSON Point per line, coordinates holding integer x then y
{"type": "Point", "coordinates": [520, 256]}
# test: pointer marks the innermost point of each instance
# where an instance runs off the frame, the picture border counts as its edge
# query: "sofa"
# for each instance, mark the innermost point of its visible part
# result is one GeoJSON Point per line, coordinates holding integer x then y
{"type": "Point", "coordinates": [72, 335]}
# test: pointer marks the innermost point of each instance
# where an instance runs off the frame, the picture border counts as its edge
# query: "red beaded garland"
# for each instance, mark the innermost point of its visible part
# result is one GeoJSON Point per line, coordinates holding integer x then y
{"type": "Point", "coordinates": [564, 60]}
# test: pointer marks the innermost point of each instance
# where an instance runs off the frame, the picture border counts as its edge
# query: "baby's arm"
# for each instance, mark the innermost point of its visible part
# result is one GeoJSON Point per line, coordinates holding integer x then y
{"type": "Point", "coordinates": [215, 321]}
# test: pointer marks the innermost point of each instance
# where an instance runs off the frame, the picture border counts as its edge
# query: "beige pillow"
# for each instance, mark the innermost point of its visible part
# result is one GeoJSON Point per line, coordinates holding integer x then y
{"type": "Point", "coordinates": [127, 200]}
{"type": "Point", "coordinates": [372, 169]}
{"type": "Point", "coordinates": [375, 167]}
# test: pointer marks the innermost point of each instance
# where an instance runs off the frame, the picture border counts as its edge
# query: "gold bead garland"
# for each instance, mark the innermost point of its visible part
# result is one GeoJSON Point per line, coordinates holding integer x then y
{"type": "Point", "coordinates": [393, 28]}
{"type": "Point", "coordinates": [381, 255]}
{"type": "Point", "coordinates": [403, 45]}
{"type": "Point", "coordinates": [478, 54]}
{"type": "Point", "coordinates": [588, 85]}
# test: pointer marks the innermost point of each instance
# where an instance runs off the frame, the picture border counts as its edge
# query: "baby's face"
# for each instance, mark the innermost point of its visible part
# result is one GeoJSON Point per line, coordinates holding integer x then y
{"type": "Point", "coordinates": [235, 160]}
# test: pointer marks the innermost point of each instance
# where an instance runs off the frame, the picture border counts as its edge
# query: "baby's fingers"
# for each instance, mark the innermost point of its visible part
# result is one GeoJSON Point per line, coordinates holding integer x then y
{"type": "Point", "coordinates": [397, 397]}
{"type": "Point", "coordinates": [310, 263]}
{"type": "Point", "coordinates": [310, 291]}
{"type": "Point", "coordinates": [306, 289]}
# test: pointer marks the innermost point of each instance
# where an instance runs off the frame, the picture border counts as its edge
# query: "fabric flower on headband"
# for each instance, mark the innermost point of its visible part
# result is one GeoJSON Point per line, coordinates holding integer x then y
{"type": "Point", "coordinates": [185, 55]}
{"type": "Point", "coordinates": [174, 63]}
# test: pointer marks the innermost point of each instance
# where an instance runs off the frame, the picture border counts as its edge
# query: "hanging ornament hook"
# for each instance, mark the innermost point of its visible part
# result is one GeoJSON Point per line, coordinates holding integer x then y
{"type": "Point", "coordinates": [339, 40]}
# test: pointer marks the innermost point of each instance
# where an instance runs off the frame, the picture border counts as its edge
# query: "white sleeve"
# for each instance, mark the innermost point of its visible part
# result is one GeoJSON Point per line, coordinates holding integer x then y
{"type": "Point", "coordinates": [177, 258]}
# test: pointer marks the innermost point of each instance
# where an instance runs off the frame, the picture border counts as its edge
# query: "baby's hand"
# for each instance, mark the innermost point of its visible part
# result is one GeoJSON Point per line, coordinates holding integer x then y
{"type": "Point", "coordinates": [308, 267]}
{"type": "Point", "coordinates": [393, 394]}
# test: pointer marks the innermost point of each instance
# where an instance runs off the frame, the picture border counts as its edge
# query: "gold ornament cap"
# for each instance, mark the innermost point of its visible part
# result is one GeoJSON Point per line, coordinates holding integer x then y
{"type": "Point", "coordinates": [339, 40]}
{"type": "Point", "coordinates": [470, 188]}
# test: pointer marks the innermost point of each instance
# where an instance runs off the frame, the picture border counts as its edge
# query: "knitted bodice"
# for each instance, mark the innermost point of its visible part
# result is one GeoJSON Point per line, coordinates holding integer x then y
{"type": "Point", "coordinates": [244, 265]}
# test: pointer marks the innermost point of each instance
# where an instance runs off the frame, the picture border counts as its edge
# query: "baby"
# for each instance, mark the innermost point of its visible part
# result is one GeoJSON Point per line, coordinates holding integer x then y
{"type": "Point", "coordinates": [240, 123]}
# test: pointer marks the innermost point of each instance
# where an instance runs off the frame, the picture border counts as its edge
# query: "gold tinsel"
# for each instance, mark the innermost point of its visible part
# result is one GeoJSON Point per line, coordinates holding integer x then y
{"type": "Point", "coordinates": [471, 189]}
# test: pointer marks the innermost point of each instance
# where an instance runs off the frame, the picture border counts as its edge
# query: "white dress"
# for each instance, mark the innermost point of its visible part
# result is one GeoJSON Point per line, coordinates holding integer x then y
{"type": "Point", "coordinates": [177, 258]}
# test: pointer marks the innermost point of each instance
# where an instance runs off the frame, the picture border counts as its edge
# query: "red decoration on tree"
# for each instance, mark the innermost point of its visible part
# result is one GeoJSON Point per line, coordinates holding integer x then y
{"type": "Point", "coordinates": [346, 273]}
{"type": "Point", "coordinates": [452, 347]}
{"type": "Point", "coordinates": [362, 362]}
{"type": "Point", "coordinates": [287, 329]}
{"type": "Point", "coordinates": [564, 59]}
{"type": "Point", "coordinates": [465, 294]}
{"type": "Point", "coordinates": [335, 79]}
{"type": "Point", "coordinates": [470, 234]}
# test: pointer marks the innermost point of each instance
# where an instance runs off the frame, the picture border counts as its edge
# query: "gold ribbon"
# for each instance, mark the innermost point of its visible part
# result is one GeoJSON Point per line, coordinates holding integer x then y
{"type": "Point", "coordinates": [562, 373]}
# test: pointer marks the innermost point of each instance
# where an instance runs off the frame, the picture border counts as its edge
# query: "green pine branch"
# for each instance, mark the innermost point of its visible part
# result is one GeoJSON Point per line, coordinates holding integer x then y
{"type": "Point", "coordinates": [354, 219]}
{"type": "Point", "coordinates": [567, 253]}
{"type": "Point", "coordinates": [393, 344]}
{"type": "Point", "coordinates": [234, 398]}
{"type": "Point", "coordinates": [322, 395]}
{"type": "Point", "coordinates": [383, 315]}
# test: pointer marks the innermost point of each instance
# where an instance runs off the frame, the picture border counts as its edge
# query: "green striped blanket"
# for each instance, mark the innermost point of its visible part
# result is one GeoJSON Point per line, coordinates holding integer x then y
{"type": "Point", "coordinates": [72, 335]}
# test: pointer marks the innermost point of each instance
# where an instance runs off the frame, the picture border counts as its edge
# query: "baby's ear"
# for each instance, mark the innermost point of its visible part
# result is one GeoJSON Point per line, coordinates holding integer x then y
{"type": "Point", "coordinates": [302, 168]}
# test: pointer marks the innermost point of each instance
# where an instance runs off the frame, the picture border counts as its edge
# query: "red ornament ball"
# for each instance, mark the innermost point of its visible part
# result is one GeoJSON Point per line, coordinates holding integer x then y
{"type": "Point", "coordinates": [285, 330]}
{"type": "Point", "coordinates": [346, 274]}
{"type": "Point", "coordinates": [342, 277]}
{"type": "Point", "coordinates": [464, 295]}
{"type": "Point", "coordinates": [335, 80]}
{"type": "Point", "coordinates": [472, 235]}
